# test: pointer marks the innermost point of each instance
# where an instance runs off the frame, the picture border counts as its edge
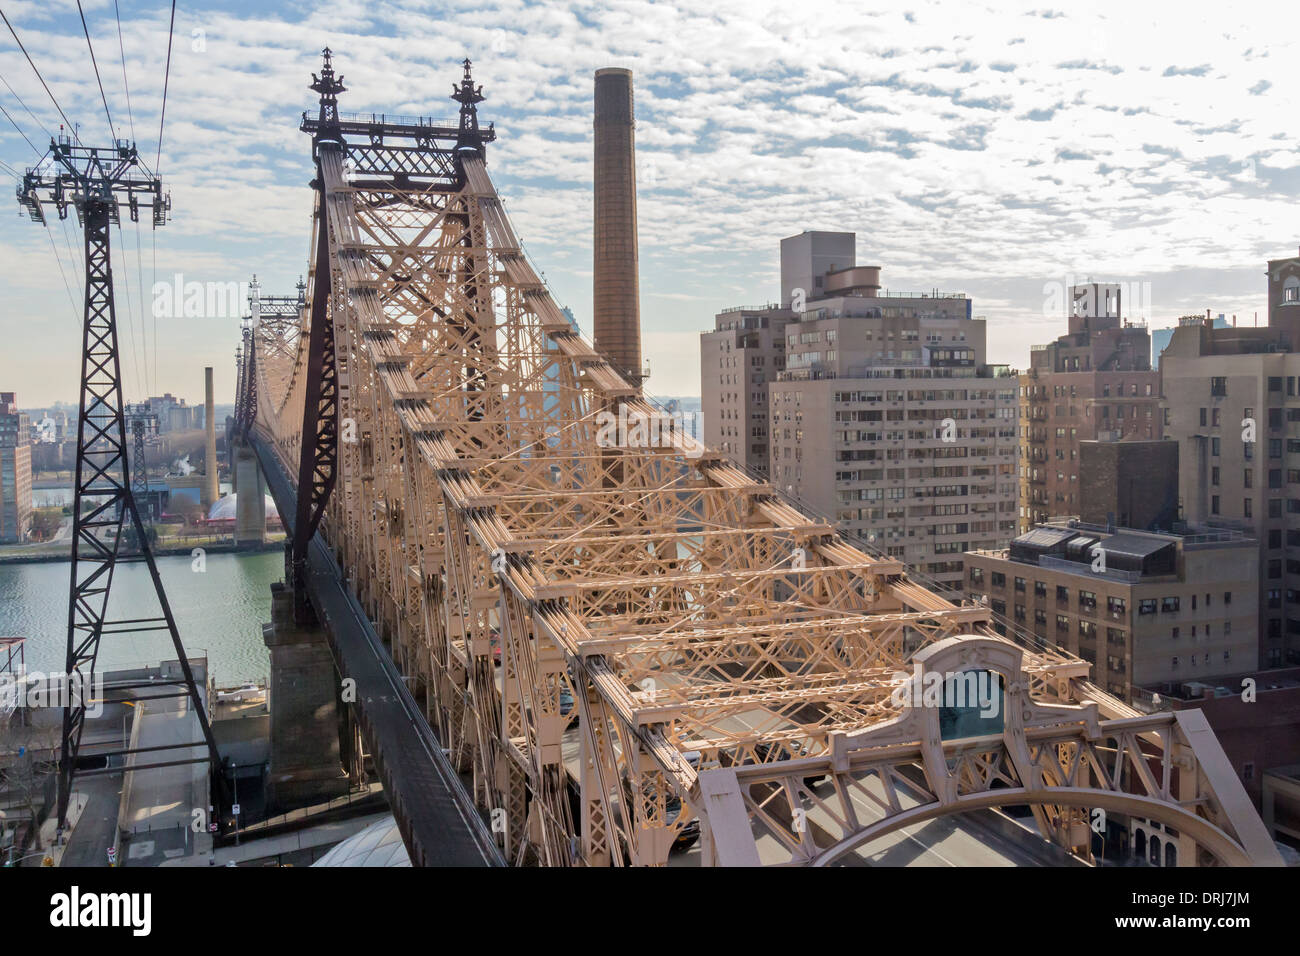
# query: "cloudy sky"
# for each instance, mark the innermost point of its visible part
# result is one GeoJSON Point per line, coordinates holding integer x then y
{"type": "Point", "coordinates": [987, 149]}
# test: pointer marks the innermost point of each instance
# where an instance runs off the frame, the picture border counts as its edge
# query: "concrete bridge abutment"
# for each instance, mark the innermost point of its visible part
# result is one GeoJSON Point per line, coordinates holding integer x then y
{"type": "Point", "coordinates": [306, 763]}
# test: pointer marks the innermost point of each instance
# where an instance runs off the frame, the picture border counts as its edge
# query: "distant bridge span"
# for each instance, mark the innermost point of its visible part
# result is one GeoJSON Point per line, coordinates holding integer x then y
{"type": "Point", "coordinates": [675, 642]}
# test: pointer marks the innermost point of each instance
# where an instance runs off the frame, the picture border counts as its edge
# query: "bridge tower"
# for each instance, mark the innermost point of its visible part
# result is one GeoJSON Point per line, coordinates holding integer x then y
{"type": "Point", "coordinates": [305, 762]}
{"type": "Point", "coordinates": [318, 466]}
{"type": "Point", "coordinates": [143, 423]}
{"type": "Point", "coordinates": [96, 182]}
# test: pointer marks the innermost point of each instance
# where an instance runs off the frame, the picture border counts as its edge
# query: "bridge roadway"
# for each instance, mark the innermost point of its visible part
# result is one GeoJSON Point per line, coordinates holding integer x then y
{"type": "Point", "coordinates": [435, 814]}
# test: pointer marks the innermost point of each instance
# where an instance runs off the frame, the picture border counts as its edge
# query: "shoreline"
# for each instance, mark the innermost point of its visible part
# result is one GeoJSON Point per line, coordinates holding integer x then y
{"type": "Point", "coordinates": [220, 547]}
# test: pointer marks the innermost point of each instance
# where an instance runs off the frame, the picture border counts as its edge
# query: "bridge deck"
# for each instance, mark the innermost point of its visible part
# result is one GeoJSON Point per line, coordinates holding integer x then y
{"type": "Point", "coordinates": [436, 816]}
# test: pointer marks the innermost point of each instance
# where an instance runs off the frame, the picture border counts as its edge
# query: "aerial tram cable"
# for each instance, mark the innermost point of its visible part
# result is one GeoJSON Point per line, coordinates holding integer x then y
{"type": "Point", "coordinates": [69, 124]}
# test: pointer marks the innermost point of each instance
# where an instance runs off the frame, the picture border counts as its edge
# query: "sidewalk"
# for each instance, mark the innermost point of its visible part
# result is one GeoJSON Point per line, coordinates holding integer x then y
{"type": "Point", "coordinates": [49, 829]}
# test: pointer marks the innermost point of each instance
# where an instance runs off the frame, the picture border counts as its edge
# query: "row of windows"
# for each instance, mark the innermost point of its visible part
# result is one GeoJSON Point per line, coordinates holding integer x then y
{"type": "Point", "coordinates": [1087, 600]}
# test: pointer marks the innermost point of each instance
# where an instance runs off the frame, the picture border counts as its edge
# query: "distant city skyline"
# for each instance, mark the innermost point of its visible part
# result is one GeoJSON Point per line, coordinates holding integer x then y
{"type": "Point", "coordinates": [991, 155]}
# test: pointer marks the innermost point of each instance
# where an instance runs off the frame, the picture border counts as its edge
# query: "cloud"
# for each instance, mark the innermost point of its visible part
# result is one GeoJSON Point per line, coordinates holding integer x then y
{"type": "Point", "coordinates": [958, 141]}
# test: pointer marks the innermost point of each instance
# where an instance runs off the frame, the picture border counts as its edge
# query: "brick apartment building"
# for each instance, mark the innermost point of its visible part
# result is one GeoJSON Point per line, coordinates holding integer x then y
{"type": "Point", "coordinates": [1231, 402]}
{"type": "Point", "coordinates": [1094, 382]}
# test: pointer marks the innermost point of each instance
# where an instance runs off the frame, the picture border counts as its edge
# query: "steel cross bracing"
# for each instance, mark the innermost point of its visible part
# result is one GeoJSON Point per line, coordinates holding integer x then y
{"type": "Point", "coordinates": [662, 623]}
{"type": "Point", "coordinates": [95, 181]}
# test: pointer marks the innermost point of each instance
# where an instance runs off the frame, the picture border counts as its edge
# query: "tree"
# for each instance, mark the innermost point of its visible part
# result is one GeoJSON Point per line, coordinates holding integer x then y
{"type": "Point", "coordinates": [45, 523]}
{"type": "Point", "coordinates": [28, 756]}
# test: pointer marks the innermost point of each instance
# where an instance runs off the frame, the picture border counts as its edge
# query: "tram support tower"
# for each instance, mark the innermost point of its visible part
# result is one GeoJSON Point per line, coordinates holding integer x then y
{"type": "Point", "coordinates": [97, 183]}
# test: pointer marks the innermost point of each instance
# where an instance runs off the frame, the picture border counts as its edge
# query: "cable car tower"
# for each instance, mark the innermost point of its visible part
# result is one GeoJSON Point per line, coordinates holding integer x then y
{"type": "Point", "coordinates": [97, 183]}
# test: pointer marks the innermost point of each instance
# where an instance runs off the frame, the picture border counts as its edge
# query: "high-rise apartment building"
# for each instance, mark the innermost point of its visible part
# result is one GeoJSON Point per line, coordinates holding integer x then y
{"type": "Point", "coordinates": [1231, 400]}
{"type": "Point", "coordinates": [885, 416]}
{"type": "Point", "coordinates": [739, 359]}
{"type": "Point", "coordinates": [1093, 383]}
{"type": "Point", "coordinates": [15, 471]}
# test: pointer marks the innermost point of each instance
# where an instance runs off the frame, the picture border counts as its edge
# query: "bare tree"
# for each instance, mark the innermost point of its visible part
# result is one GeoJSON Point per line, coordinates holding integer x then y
{"type": "Point", "coordinates": [29, 754]}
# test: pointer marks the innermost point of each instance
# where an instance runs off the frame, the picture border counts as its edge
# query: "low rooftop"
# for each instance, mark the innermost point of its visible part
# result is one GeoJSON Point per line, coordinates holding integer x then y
{"type": "Point", "coordinates": [1068, 544]}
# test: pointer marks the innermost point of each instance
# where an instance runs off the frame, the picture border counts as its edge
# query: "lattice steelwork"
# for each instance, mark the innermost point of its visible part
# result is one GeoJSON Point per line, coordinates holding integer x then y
{"type": "Point", "coordinates": [666, 627]}
{"type": "Point", "coordinates": [96, 182]}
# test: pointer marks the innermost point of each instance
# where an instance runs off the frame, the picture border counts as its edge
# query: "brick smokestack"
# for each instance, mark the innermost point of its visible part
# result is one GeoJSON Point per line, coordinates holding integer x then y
{"type": "Point", "coordinates": [616, 319]}
{"type": "Point", "coordinates": [210, 487]}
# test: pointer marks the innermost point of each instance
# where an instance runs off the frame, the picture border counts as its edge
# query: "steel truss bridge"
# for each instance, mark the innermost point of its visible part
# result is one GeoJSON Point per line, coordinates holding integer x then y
{"type": "Point", "coordinates": [614, 632]}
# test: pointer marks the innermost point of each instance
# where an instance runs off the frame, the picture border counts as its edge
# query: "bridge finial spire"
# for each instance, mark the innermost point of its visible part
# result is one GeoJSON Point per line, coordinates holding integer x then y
{"type": "Point", "coordinates": [468, 96]}
{"type": "Point", "coordinates": [329, 87]}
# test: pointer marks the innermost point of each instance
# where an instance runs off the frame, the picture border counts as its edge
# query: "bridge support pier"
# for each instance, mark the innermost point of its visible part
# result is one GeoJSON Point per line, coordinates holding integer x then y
{"type": "Point", "coordinates": [306, 765]}
{"type": "Point", "coordinates": [250, 503]}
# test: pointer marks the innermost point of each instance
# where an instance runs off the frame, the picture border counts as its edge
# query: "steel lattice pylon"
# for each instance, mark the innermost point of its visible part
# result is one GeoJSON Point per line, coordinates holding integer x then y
{"type": "Point", "coordinates": [94, 182]}
{"type": "Point", "coordinates": [143, 422]}
{"type": "Point", "coordinates": [677, 645]}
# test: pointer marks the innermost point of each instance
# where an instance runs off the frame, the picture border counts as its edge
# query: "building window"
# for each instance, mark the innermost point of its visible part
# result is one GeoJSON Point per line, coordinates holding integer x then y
{"type": "Point", "coordinates": [1169, 604]}
{"type": "Point", "coordinates": [1147, 606]}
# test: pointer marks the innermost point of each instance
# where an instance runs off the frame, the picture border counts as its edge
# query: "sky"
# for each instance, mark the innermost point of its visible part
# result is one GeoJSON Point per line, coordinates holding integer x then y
{"type": "Point", "coordinates": [999, 150]}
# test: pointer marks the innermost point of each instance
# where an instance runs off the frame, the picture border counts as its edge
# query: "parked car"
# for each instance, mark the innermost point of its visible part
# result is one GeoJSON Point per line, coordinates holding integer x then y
{"type": "Point", "coordinates": [771, 753]}
{"type": "Point", "coordinates": [689, 833]}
